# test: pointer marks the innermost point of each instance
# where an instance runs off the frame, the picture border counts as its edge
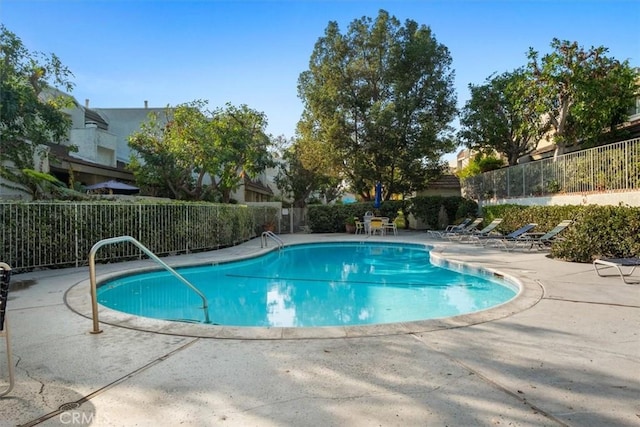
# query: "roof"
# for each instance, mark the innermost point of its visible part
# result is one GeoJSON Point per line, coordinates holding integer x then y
{"type": "Point", "coordinates": [257, 186]}
{"type": "Point", "coordinates": [445, 181]}
{"type": "Point", "coordinates": [92, 116]}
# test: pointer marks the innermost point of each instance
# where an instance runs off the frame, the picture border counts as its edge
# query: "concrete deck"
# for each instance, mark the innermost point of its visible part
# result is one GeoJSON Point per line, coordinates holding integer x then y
{"type": "Point", "coordinates": [565, 353]}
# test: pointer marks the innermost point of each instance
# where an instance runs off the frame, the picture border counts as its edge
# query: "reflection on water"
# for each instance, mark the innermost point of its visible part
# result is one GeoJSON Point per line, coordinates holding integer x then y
{"type": "Point", "coordinates": [312, 285]}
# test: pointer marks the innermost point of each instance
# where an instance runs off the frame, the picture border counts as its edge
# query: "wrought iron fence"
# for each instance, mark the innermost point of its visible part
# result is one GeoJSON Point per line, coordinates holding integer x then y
{"type": "Point", "coordinates": [35, 235]}
{"type": "Point", "coordinates": [613, 167]}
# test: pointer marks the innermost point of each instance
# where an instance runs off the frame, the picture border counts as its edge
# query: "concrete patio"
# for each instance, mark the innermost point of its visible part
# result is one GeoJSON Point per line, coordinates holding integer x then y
{"type": "Point", "coordinates": [567, 353]}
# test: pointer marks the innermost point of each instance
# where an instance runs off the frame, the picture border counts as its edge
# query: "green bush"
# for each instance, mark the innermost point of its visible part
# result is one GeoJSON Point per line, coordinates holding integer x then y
{"type": "Point", "coordinates": [515, 216]}
{"type": "Point", "coordinates": [332, 218]}
{"type": "Point", "coordinates": [61, 234]}
{"type": "Point", "coordinates": [597, 231]}
{"type": "Point", "coordinates": [601, 231]}
{"type": "Point", "coordinates": [427, 209]}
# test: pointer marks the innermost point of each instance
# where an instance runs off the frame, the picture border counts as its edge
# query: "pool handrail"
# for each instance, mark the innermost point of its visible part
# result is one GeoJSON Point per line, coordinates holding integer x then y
{"type": "Point", "coordinates": [143, 248]}
{"type": "Point", "coordinates": [271, 235]}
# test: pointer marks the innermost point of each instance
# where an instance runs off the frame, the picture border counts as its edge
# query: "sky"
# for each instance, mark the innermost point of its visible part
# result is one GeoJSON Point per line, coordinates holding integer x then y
{"type": "Point", "coordinates": [168, 52]}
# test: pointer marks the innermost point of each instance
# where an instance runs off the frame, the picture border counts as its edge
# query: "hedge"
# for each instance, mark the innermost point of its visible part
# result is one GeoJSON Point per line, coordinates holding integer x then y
{"type": "Point", "coordinates": [597, 231]}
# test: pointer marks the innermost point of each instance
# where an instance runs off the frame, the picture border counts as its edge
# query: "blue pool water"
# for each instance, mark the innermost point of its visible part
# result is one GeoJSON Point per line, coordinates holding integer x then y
{"type": "Point", "coordinates": [332, 284]}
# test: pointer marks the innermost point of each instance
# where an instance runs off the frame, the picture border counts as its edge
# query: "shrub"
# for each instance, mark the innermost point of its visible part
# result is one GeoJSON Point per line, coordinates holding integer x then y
{"type": "Point", "coordinates": [332, 218]}
{"type": "Point", "coordinates": [600, 231]}
{"type": "Point", "coordinates": [428, 209]}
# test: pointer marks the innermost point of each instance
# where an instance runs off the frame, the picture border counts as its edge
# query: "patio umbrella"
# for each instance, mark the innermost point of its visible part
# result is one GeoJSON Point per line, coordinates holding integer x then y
{"type": "Point", "coordinates": [378, 200]}
{"type": "Point", "coordinates": [116, 187]}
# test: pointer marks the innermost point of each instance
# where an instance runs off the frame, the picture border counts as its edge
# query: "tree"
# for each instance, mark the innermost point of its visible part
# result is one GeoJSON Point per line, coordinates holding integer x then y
{"type": "Point", "coordinates": [579, 93]}
{"type": "Point", "coordinates": [299, 181]}
{"type": "Point", "coordinates": [378, 102]}
{"type": "Point", "coordinates": [179, 153]}
{"type": "Point", "coordinates": [240, 147]}
{"type": "Point", "coordinates": [31, 112]}
{"type": "Point", "coordinates": [498, 117]}
{"type": "Point", "coordinates": [156, 168]}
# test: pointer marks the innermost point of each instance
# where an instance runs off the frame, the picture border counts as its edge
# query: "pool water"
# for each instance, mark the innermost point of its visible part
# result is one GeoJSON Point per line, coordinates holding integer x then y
{"type": "Point", "coordinates": [312, 285]}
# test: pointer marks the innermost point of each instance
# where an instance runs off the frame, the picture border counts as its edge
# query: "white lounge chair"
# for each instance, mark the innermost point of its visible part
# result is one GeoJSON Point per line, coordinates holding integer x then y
{"type": "Point", "coordinates": [450, 228]}
{"type": "Point", "coordinates": [472, 226]}
{"type": "Point", "coordinates": [618, 264]}
{"type": "Point", "coordinates": [474, 235]}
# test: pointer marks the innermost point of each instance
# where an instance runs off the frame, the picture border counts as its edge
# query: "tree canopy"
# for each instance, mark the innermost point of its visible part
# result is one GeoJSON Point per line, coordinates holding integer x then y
{"type": "Point", "coordinates": [378, 103]}
{"type": "Point", "coordinates": [194, 154]}
{"type": "Point", "coordinates": [578, 93]}
{"type": "Point", "coordinates": [498, 117]}
{"type": "Point", "coordinates": [31, 112]}
{"type": "Point", "coordinates": [300, 182]}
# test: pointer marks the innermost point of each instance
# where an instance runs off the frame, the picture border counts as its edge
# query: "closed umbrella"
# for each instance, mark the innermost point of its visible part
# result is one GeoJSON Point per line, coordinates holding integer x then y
{"type": "Point", "coordinates": [378, 199]}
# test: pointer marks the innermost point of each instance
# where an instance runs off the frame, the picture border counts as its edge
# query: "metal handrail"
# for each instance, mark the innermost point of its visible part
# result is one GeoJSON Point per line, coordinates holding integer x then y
{"type": "Point", "coordinates": [4, 322]}
{"type": "Point", "coordinates": [120, 239]}
{"type": "Point", "coordinates": [272, 236]}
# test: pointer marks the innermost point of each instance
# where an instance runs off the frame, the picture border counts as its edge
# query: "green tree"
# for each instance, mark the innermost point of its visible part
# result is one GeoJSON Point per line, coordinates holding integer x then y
{"type": "Point", "coordinates": [378, 102]}
{"type": "Point", "coordinates": [157, 169]}
{"type": "Point", "coordinates": [240, 147]}
{"type": "Point", "coordinates": [300, 182]}
{"type": "Point", "coordinates": [479, 165]}
{"type": "Point", "coordinates": [578, 93]}
{"type": "Point", "coordinates": [196, 154]}
{"type": "Point", "coordinates": [31, 113]}
{"type": "Point", "coordinates": [498, 117]}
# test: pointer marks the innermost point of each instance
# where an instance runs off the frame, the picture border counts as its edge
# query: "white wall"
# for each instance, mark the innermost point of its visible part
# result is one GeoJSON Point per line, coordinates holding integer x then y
{"type": "Point", "coordinates": [631, 198]}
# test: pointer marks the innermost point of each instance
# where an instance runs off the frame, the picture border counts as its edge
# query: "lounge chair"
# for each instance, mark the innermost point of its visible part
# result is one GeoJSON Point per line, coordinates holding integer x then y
{"type": "Point", "coordinates": [451, 228]}
{"type": "Point", "coordinates": [545, 240]}
{"type": "Point", "coordinates": [509, 241]}
{"type": "Point", "coordinates": [473, 225]}
{"type": "Point", "coordinates": [618, 264]}
{"type": "Point", "coordinates": [477, 234]}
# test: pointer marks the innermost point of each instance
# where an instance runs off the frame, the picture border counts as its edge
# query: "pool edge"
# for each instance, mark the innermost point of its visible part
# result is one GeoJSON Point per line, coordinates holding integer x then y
{"type": "Point", "coordinates": [77, 298]}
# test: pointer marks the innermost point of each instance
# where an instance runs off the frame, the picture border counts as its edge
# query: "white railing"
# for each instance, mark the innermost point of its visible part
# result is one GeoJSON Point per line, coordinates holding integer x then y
{"type": "Point", "coordinates": [45, 234]}
{"type": "Point", "coordinates": [613, 167]}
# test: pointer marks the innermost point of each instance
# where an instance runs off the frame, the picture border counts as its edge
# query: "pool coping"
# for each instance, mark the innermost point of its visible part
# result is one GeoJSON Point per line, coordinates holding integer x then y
{"type": "Point", "coordinates": [78, 299]}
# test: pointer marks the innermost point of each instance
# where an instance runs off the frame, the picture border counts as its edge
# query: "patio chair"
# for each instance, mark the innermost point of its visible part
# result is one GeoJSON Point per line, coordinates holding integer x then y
{"type": "Point", "coordinates": [618, 264]}
{"type": "Point", "coordinates": [389, 225]}
{"type": "Point", "coordinates": [464, 230]}
{"type": "Point", "coordinates": [509, 241]}
{"type": "Point", "coordinates": [5, 274]}
{"type": "Point", "coordinates": [376, 226]}
{"type": "Point", "coordinates": [545, 240]}
{"type": "Point", "coordinates": [477, 234]}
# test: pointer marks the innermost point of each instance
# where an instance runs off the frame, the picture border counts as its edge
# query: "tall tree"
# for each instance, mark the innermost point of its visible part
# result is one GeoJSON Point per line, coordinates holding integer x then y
{"type": "Point", "coordinates": [378, 102]}
{"type": "Point", "coordinates": [579, 93]}
{"type": "Point", "coordinates": [498, 117]}
{"type": "Point", "coordinates": [31, 112]}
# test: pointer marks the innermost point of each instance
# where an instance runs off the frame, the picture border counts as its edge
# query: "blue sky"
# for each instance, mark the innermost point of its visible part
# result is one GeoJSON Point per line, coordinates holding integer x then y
{"type": "Point", "coordinates": [123, 52]}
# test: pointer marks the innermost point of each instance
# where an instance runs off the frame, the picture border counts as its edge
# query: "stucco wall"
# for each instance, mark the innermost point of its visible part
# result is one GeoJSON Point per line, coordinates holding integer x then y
{"type": "Point", "coordinates": [631, 198]}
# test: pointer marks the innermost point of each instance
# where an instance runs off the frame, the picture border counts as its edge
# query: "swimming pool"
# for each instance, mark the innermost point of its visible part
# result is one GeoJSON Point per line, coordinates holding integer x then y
{"type": "Point", "coordinates": [312, 285]}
